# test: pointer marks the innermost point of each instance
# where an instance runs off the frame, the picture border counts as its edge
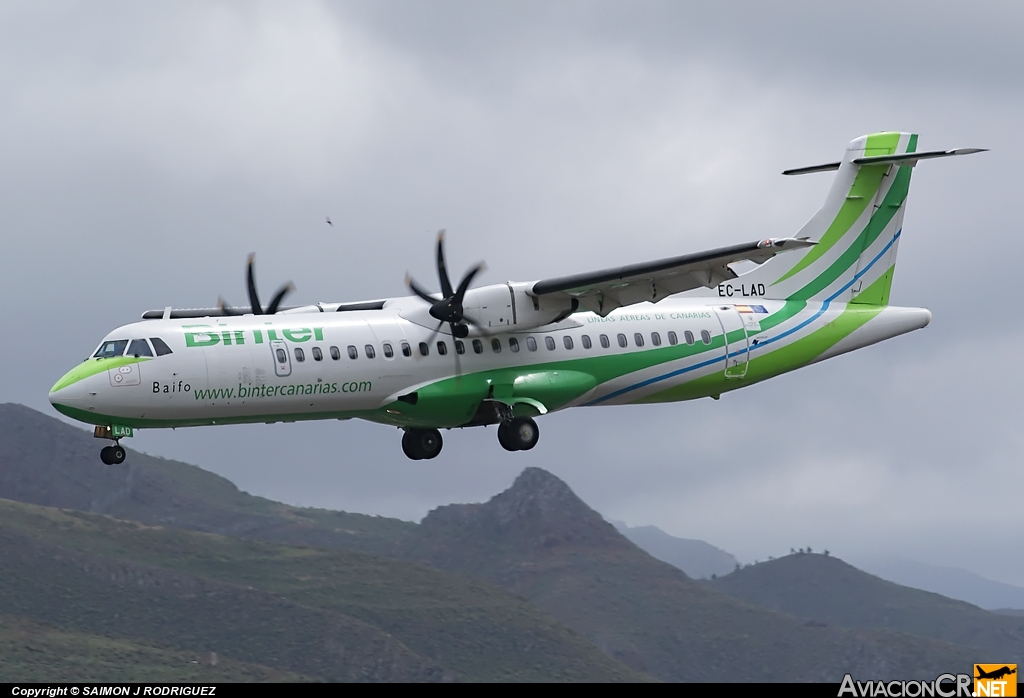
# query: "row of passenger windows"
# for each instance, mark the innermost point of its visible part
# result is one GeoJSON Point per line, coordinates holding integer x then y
{"type": "Point", "coordinates": [134, 347]}
{"type": "Point", "coordinates": [513, 343]}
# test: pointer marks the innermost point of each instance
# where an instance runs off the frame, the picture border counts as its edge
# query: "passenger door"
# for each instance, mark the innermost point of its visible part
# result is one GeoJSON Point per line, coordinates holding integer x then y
{"type": "Point", "coordinates": [737, 341]}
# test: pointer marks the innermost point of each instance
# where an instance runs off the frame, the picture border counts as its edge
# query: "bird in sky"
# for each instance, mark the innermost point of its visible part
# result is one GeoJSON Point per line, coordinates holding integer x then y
{"type": "Point", "coordinates": [329, 221]}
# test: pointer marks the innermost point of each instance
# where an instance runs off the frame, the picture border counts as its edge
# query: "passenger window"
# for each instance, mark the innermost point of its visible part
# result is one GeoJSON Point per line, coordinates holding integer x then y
{"type": "Point", "coordinates": [460, 347]}
{"type": "Point", "coordinates": [335, 353]}
{"type": "Point", "coordinates": [655, 339]}
{"type": "Point", "coordinates": [673, 338]}
{"type": "Point", "coordinates": [705, 336]}
{"type": "Point", "coordinates": [622, 340]}
{"type": "Point", "coordinates": [496, 345]}
{"type": "Point", "coordinates": [586, 341]}
{"type": "Point", "coordinates": [282, 358]}
{"type": "Point", "coordinates": [370, 351]}
{"type": "Point", "coordinates": [317, 354]}
{"type": "Point", "coordinates": [549, 342]}
{"type": "Point", "coordinates": [353, 353]}
{"type": "Point", "coordinates": [513, 344]}
{"type": "Point", "coordinates": [138, 347]}
{"type": "Point", "coordinates": [689, 337]}
{"type": "Point", "coordinates": [567, 341]}
{"type": "Point", "coordinates": [299, 354]}
{"type": "Point", "coordinates": [531, 344]}
{"type": "Point", "coordinates": [605, 342]}
{"type": "Point", "coordinates": [159, 346]}
{"type": "Point", "coordinates": [478, 346]}
{"type": "Point", "coordinates": [389, 353]}
{"type": "Point", "coordinates": [109, 350]}
{"type": "Point", "coordinates": [442, 348]}
{"type": "Point", "coordinates": [406, 349]}
{"type": "Point", "coordinates": [424, 349]}
{"type": "Point", "coordinates": [638, 339]}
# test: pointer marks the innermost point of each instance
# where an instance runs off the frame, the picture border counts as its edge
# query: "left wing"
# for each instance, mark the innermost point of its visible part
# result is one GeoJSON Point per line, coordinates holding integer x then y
{"type": "Point", "coordinates": [604, 291]}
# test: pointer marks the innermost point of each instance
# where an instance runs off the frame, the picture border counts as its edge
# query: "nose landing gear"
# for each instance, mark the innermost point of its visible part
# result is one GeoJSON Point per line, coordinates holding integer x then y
{"type": "Point", "coordinates": [519, 434]}
{"type": "Point", "coordinates": [112, 455]}
{"type": "Point", "coordinates": [422, 444]}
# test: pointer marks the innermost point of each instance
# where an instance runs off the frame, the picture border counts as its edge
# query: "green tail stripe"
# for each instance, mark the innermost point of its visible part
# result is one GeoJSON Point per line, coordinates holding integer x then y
{"type": "Point", "coordinates": [865, 187]}
{"type": "Point", "coordinates": [878, 292]}
{"type": "Point", "coordinates": [892, 202]}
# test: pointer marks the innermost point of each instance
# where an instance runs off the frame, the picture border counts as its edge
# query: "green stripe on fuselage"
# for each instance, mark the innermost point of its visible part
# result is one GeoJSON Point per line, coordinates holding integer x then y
{"type": "Point", "coordinates": [775, 362]}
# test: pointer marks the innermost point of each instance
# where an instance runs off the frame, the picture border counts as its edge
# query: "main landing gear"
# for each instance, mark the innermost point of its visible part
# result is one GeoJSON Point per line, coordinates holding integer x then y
{"type": "Point", "coordinates": [422, 444]}
{"type": "Point", "coordinates": [112, 455]}
{"type": "Point", "coordinates": [519, 434]}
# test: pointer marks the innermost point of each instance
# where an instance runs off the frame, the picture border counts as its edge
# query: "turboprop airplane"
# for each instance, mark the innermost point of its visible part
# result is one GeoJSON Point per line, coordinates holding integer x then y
{"type": "Point", "coordinates": [680, 328]}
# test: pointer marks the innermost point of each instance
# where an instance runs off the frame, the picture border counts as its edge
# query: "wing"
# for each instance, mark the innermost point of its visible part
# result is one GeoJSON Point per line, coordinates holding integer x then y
{"type": "Point", "coordinates": [604, 291]}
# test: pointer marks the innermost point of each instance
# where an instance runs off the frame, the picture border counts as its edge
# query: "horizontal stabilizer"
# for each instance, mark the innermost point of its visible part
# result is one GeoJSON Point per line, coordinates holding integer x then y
{"type": "Point", "coordinates": [900, 159]}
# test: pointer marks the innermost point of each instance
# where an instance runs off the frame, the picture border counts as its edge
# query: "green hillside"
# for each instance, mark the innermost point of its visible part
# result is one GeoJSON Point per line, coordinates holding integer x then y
{"type": "Point", "coordinates": [327, 615]}
{"type": "Point", "coordinates": [63, 470]}
{"type": "Point", "coordinates": [41, 653]}
{"type": "Point", "coordinates": [826, 589]}
{"type": "Point", "coordinates": [576, 584]}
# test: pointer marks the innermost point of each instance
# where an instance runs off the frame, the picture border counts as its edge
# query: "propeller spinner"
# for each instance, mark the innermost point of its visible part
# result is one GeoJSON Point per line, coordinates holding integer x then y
{"type": "Point", "coordinates": [449, 308]}
{"type": "Point", "coordinates": [254, 298]}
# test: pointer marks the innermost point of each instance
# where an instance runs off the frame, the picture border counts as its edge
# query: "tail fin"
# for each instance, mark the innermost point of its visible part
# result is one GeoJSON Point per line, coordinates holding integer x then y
{"type": "Point", "coordinates": [857, 229]}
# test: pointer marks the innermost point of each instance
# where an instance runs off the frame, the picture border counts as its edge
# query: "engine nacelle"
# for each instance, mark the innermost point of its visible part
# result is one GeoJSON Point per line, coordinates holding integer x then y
{"type": "Point", "coordinates": [509, 305]}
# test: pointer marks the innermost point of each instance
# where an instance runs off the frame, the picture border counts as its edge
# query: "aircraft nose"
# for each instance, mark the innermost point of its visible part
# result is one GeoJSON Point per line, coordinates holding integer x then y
{"type": "Point", "coordinates": [68, 390]}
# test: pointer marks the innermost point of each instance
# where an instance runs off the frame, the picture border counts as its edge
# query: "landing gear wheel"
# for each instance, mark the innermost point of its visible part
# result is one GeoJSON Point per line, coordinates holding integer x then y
{"type": "Point", "coordinates": [409, 447]}
{"type": "Point", "coordinates": [505, 438]}
{"type": "Point", "coordinates": [520, 434]}
{"type": "Point", "coordinates": [422, 444]}
{"type": "Point", "coordinates": [112, 455]}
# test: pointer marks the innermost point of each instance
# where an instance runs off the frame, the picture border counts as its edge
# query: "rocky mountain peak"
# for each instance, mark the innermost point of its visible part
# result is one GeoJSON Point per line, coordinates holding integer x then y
{"type": "Point", "coordinates": [538, 511]}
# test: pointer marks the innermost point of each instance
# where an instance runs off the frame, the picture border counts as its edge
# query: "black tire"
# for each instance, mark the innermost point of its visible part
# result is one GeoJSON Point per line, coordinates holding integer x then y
{"type": "Point", "coordinates": [523, 432]}
{"type": "Point", "coordinates": [429, 443]}
{"type": "Point", "coordinates": [106, 456]}
{"type": "Point", "coordinates": [409, 447]}
{"type": "Point", "coordinates": [422, 444]}
{"type": "Point", "coordinates": [117, 454]}
{"type": "Point", "coordinates": [505, 437]}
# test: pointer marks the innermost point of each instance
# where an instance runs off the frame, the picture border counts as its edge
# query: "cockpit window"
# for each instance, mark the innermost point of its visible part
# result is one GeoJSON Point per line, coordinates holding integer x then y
{"type": "Point", "coordinates": [159, 346]}
{"type": "Point", "coordinates": [108, 350]}
{"type": "Point", "coordinates": [138, 347]}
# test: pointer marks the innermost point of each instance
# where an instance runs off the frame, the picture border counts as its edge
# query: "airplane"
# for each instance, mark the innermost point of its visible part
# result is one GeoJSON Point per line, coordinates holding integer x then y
{"type": "Point", "coordinates": [996, 673]}
{"type": "Point", "coordinates": [504, 354]}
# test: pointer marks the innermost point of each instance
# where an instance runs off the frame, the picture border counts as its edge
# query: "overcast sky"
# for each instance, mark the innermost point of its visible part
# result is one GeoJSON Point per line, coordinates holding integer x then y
{"type": "Point", "coordinates": [146, 149]}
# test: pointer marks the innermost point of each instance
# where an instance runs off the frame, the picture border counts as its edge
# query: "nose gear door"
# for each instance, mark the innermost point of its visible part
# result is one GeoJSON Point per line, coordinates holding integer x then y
{"type": "Point", "coordinates": [737, 341]}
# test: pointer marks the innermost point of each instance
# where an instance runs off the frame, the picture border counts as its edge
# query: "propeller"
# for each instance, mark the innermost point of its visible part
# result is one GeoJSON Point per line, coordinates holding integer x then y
{"type": "Point", "coordinates": [449, 308]}
{"type": "Point", "coordinates": [254, 297]}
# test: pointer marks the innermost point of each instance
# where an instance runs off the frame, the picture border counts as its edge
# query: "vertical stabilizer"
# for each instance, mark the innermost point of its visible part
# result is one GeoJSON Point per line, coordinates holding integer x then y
{"type": "Point", "coordinates": [857, 229]}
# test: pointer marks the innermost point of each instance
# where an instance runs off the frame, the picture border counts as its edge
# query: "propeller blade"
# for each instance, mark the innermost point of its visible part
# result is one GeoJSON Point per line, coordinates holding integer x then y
{"type": "Point", "coordinates": [250, 277]}
{"type": "Point", "coordinates": [430, 339]}
{"type": "Point", "coordinates": [442, 270]}
{"type": "Point", "coordinates": [227, 309]}
{"type": "Point", "coordinates": [275, 303]}
{"type": "Point", "coordinates": [467, 279]}
{"type": "Point", "coordinates": [415, 288]}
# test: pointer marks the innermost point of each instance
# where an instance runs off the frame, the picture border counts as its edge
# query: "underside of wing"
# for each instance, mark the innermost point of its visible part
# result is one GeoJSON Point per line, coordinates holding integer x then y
{"type": "Point", "coordinates": [604, 291]}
